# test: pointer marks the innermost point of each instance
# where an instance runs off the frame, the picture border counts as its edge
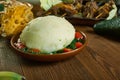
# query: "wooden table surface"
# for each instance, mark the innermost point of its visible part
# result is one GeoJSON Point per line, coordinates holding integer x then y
{"type": "Point", "coordinates": [100, 60]}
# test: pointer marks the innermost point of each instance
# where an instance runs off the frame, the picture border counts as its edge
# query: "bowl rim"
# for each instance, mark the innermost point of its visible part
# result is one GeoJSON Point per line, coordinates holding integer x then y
{"type": "Point", "coordinates": [64, 53]}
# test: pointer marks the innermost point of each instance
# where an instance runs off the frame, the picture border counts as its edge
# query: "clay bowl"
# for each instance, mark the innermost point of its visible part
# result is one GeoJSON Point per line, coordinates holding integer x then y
{"type": "Point", "coordinates": [47, 57]}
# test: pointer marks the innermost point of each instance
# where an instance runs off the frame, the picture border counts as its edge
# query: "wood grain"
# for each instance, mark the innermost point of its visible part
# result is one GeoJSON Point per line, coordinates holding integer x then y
{"type": "Point", "coordinates": [100, 60]}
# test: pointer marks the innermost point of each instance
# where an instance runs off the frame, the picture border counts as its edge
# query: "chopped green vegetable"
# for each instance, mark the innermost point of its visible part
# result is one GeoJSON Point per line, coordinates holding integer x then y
{"type": "Point", "coordinates": [25, 49]}
{"type": "Point", "coordinates": [81, 40]}
{"type": "Point", "coordinates": [1, 7]}
{"type": "Point", "coordinates": [72, 45]}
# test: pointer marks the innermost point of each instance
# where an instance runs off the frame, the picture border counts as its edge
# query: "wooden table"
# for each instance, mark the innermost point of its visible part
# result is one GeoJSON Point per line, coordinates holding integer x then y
{"type": "Point", "coordinates": [100, 60]}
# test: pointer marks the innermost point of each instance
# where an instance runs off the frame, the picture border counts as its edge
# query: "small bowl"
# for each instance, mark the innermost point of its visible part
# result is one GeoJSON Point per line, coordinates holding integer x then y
{"type": "Point", "coordinates": [47, 57]}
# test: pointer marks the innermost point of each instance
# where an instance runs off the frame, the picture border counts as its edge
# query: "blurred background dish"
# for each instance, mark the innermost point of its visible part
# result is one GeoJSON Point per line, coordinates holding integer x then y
{"type": "Point", "coordinates": [117, 2]}
{"type": "Point", "coordinates": [83, 12]}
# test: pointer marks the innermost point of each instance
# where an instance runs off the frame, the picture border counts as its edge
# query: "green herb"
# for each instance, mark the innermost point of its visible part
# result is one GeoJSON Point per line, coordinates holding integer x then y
{"type": "Point", "coordinates": [1, 7]}
{"type": "Point", "coordinates": [72, 45]}
{"type": "Point", "coordinates": [25, 49]}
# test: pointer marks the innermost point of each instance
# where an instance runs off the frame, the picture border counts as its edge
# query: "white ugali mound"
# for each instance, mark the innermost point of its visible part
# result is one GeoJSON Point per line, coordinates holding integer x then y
{"type": "Point", "coordinates": [48, 34]}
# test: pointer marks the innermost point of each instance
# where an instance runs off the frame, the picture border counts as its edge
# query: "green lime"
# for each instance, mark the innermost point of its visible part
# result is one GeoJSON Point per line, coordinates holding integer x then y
{"type": "Point", "coordinates": [1, 7]}
{"type": "Point", "coordinates": [6, 75]}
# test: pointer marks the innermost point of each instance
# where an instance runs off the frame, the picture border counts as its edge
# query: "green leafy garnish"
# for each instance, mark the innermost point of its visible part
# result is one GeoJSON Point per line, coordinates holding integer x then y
{"type": "Point", "coordinates": [1, 7]}
{"type": "Point", "coordinates": [72, 45]}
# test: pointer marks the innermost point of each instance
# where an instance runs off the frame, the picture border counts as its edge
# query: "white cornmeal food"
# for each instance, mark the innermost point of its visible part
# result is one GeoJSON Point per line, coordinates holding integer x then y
{"type": "Point", "coordinates": [48, 34]}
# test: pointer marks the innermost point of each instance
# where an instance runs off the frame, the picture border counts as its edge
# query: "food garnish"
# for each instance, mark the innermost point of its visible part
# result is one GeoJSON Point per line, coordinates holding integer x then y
{"type": "Point", "coordinates": [14, 17]}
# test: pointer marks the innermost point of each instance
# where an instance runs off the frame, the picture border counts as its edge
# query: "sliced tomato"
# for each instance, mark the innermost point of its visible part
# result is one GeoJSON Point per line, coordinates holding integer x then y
{"type": "Point", "coordinates": [78, 44]}
{"type": "Point", "coordinates": [78, 35]}
{"type": "Point", "coordinates": [67, 49]}
{"type": "Point", "coordinates": [35, 50]}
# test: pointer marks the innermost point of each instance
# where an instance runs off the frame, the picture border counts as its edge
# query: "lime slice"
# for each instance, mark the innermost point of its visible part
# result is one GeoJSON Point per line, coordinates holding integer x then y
{"type": "Point", "coordinates": [112, 13]}
{"type": "Point", "coordinates": [6, 75]}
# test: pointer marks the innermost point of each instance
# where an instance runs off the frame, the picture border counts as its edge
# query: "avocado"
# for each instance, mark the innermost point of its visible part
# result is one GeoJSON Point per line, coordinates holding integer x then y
{"type": "Point", "coordinates": [109, 27]}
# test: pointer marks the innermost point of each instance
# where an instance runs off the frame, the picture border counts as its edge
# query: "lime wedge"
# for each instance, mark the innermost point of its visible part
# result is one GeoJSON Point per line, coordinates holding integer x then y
{"type": "Point", "coordinates": [1, 7]}
{"type": "Point", "coordinates": [6, 75]}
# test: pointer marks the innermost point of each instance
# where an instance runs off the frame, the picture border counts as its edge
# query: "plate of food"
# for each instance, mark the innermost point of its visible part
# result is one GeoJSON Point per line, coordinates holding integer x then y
{"type": "Point", "coordinates": [47, 39]}
{"type": "Point", "coordinates": [82, 12]}
{"type": "Point", "coordinates": [44, 38]}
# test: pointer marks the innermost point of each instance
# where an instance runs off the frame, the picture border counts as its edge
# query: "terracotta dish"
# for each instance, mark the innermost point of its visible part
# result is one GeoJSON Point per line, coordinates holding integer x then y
{"type": "Point", "coordinates": [47, 57]}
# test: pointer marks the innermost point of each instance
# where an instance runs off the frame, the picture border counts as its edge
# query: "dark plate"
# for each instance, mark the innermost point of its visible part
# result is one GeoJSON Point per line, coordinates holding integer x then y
{"type": "Point", "coordinates": [83, 21]}
{"type": "Point", "coordinates": [47, 57]}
